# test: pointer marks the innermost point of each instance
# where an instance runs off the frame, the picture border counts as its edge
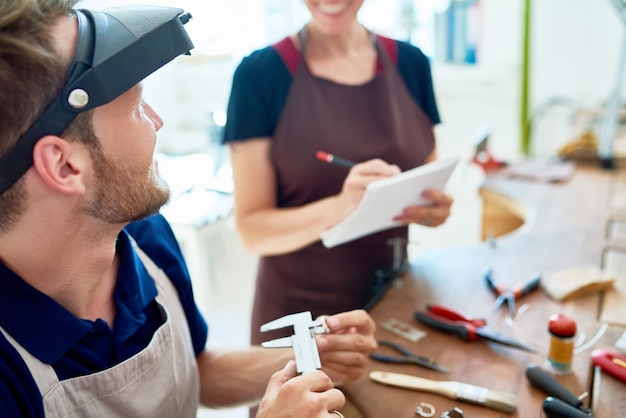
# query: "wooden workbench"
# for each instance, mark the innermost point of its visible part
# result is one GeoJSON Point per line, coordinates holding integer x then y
{"type": "Point", "coordinates": [563, 227]}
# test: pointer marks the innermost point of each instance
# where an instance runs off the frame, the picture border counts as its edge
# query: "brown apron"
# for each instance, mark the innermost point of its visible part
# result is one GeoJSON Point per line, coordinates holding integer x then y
{"type": "Point", "coordinates": [378, 119]}
{"type": "Point", "coordinates": [159, 381]}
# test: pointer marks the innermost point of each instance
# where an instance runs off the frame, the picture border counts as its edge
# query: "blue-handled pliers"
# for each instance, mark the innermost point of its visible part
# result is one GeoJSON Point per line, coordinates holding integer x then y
{"type": "Point", "coordinates": [509, 296]}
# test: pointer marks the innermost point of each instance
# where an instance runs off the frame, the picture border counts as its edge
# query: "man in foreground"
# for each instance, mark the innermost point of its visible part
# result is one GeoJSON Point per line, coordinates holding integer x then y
{"type": "Point", "coordinates": [97, 316]}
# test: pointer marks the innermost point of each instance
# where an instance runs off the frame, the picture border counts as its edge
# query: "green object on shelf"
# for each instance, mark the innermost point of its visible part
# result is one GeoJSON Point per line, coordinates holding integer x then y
{"type": "Point", "coordinates": [525, 122]}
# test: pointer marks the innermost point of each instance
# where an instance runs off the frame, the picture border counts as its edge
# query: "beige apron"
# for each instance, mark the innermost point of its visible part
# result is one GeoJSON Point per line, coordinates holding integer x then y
{"type": "Point", "coordinates": [159, 381]}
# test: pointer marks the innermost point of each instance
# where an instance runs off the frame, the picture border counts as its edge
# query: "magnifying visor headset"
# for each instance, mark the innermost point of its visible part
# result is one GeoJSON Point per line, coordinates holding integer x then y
{"type": "Point", "coordinates": [116, 48]}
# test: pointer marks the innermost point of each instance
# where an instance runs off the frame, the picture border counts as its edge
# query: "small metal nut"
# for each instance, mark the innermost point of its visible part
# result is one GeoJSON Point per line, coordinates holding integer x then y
{"type": "Point", "coordinates": [319, 326]}
{"type": "Point", "coordinates": [453, 413]}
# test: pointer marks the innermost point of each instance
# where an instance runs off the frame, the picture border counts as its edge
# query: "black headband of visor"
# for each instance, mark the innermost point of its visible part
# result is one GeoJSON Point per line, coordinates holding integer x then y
{"type": "Point", "coordinates": [116, 49]}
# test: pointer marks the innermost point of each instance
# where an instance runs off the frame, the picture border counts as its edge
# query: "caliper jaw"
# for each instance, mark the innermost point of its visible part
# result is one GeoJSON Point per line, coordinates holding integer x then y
{"type": "Point", "coordinates": [302, 340]}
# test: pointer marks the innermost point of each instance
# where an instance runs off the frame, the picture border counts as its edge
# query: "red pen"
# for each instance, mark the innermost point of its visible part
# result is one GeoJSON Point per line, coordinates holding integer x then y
{"type": "Point", "coordinates": [330, 158]}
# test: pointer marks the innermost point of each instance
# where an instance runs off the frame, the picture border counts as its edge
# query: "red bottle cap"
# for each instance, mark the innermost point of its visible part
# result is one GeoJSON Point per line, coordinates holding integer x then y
{"type": "Point", "coordinates": [562, 326]}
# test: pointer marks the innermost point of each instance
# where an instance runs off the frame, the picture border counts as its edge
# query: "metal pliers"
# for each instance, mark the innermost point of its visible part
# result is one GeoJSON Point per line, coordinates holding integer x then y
{"type": "Point", "coordinates": [509, 296]}
{"type": "Point", "coordinates": [407, 358]}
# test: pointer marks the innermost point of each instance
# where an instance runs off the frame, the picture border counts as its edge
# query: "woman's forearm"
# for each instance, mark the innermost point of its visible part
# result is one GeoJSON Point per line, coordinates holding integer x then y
{"type": "Point", "coordinates": [275, 231]}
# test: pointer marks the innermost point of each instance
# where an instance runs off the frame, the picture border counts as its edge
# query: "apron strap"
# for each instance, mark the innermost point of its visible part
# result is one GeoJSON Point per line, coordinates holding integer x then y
{"type": "Point", "coordinates": [44, 375]}
{"type": "Point", "coordinates": [387, 49]}
{"type": "Point", "coordinates": [289, 54]}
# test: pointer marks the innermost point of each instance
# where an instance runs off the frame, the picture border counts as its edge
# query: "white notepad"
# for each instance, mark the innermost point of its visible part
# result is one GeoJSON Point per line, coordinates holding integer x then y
{"type": "Point", "coordinates": [384, 199]}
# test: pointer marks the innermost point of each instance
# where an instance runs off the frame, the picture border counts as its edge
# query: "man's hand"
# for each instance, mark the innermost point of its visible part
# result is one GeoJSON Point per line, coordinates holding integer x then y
{"type": "Point", "coordinates": [307, 396]}
{"type": "Point", "coordinates": [345, 351]}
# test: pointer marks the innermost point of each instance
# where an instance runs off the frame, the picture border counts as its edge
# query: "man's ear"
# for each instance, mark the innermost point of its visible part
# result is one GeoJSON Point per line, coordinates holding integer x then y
{"type": "Point", "coordinates": [61, 164]}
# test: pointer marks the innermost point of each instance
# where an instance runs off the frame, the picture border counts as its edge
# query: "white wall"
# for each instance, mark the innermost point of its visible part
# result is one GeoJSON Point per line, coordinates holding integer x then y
{"type": "Point", "coordinates": [575, 49]}
{"type": "Point", "coordinates": [575, 46]}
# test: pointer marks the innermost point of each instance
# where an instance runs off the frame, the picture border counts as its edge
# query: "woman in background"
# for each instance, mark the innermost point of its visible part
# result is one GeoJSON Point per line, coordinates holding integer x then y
{"type": "Point", "coordinates": [336, 87]}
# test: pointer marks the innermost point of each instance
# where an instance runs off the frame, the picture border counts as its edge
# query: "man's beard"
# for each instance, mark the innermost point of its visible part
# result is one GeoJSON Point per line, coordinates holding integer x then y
{"type": "Point", "coordinates": [125, 193]}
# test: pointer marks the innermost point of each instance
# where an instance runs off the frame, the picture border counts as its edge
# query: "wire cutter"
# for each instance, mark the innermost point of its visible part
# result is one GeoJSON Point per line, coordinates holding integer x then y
{"type": "Point", "coordinates": [407, 358]}
{"type": "Point", "coordinates": [453, 322]}
{"type": "Point", "coordinates": [509, 296]}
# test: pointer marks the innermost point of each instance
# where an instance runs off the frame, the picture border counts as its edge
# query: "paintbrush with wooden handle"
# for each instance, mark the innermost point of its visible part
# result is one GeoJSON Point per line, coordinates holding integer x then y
{"type": "Point", "coordinates": [501, 401]}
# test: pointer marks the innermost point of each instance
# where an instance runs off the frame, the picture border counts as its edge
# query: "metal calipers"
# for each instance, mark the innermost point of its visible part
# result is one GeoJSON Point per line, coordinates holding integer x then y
{"type": "Point", "coordinates": [302, 340]}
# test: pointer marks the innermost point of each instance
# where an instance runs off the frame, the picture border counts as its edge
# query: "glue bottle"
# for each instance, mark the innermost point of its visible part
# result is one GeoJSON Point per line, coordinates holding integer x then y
{"type": "Point", "coordinates": [562, 335]}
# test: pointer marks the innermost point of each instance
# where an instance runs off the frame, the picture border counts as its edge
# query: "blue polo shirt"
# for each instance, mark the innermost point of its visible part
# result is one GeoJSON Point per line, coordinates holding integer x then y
{"type": "Point", "coordinates": [76, 347]}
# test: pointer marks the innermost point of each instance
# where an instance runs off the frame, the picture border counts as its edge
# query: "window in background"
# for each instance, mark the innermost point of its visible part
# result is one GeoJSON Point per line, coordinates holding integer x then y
{"type": "Point", "coordinates": [456, 32]}
{"type": "Point", "coordinates": [193, 90]}
{"type": "Point", "coordinates": [446, 30]}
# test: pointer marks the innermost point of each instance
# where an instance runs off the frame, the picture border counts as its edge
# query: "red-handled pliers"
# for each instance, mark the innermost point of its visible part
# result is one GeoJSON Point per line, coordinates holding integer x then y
{"type": "Point", "coordinates": [468, 329]}
{"type": "Point", "coordinates": [453, 315]}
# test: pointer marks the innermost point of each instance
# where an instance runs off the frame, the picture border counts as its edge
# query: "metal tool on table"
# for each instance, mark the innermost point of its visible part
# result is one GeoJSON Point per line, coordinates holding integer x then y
{"type": "Point", "coordinates": [509, 296]}
{"type": "Point", "coordinates": [450, 321]}
{"type": "Point", "coordinates": [482, 156]}
{"type": "Point", "coordinates": [385, 277]}
{"type": "Point", "coordinates": [560, 403]}
{"type": "Point", "coordinates": [455, 412]}
{"type": "Point", "coordinates": [404, 330]}
{"type": "Point", "coordinates": [302, 340]}
{"type": "Point", "coordinates": [407, 358]}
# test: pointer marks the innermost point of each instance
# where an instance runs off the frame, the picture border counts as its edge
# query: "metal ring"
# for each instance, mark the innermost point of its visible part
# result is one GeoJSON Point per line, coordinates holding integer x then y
{"type": "Point", "coordinates": [419, 411]}
{"type": "Point", "coordinates": [426, 222]}
{"type": "Point", "coordinates": [339, 414]}
{"type": "Point", "coordinates": [324, 326]}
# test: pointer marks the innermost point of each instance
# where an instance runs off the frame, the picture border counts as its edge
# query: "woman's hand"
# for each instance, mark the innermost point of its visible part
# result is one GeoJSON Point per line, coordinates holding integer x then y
{"type": "Point", "coordinates": [345, 351]}
{"type": "Point", "coordinates": [433, 214]}
{"type": "Point", "coordinates": [356, 182]}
